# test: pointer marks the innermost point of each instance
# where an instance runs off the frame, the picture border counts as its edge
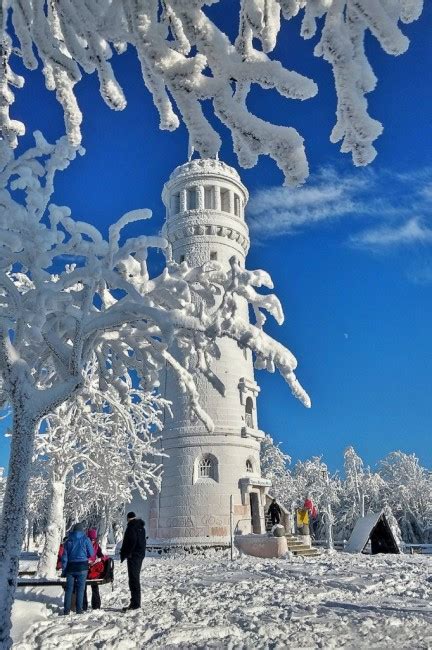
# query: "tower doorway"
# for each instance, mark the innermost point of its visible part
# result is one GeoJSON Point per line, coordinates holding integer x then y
{"type": "Point", "coordinates": [255, 513]}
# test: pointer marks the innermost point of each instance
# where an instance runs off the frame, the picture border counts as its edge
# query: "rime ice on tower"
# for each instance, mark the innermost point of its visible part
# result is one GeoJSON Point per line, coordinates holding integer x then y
{"type": "Point", "coordinates": [205, 201]}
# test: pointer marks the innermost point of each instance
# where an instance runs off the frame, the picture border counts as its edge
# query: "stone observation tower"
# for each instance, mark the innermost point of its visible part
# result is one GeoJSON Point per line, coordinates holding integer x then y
{"type": "Point", "coordinates": [205, 202]}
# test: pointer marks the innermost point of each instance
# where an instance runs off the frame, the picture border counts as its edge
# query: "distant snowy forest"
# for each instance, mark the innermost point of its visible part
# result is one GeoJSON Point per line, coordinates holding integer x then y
{"type": "Point", "coordinates": [400, 486]}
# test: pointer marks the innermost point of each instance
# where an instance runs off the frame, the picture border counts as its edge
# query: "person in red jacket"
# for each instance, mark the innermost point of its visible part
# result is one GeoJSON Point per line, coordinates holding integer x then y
{"type": "Point", "coordinates": [96, 568]}
{"type": "Point", "coordinates": [313, 515]}
{"type": "Point", "coordinates": [60, 554]}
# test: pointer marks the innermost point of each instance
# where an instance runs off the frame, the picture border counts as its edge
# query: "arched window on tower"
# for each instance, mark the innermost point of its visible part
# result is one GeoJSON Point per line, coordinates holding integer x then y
{"type": "Point", "coordinates": [206, 467]}
{"type": "Point", "coordinates": [249, 466]}
{"type": "Point", "coordinates": [249, 412]}
{"type": "Point", "coordinates": [236, 205]}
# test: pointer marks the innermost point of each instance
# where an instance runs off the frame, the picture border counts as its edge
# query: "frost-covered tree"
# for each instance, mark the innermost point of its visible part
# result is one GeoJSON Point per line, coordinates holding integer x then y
{"type": "Point", "coordinates": [127, 460]}
{"type": "Point", "coordinates": [407, 490]}
{"type": "Point", "coordinates": [308, 478]}
{"type": "Point", "coordinates": [54, 316]}
{"type": "Point", "coordinates": [59, 448]}
{"type": "Point", "coordinates": [101, 446]}
{"type": "Point", "coordinates": [275, 467]}
{"type": "Point", "coordinates": [354, 481]}
{"type": "Point", "coordinates": [313, 480]}
{"type": "Point", "coordinates": [352, 498]}
{"type": "Point", "coordinates": [187, 59]}
{"type": "Point", "coordinates": [361, 491]}
{"type": "Point", "coordinates": [36, 506]}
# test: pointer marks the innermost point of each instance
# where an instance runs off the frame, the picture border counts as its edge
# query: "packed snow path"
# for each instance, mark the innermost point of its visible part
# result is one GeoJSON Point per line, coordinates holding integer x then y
{"type": "Point", "coordinates": [337, 601]}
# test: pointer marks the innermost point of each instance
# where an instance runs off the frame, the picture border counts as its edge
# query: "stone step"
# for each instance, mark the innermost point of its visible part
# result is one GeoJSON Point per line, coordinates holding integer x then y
{"type": "Point", "coordinates": [306, 552]}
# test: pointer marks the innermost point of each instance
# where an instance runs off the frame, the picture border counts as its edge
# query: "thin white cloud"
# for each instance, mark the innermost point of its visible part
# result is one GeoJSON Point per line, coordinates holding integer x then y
{"type": "Point", "coordinates": [400, 202]}
{"type": "Point", "coordinates": [411, 232]}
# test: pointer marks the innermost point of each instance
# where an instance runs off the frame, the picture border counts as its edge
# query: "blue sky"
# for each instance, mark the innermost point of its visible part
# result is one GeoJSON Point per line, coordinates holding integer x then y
{"type": "Point", "coordinates": [349, 253]}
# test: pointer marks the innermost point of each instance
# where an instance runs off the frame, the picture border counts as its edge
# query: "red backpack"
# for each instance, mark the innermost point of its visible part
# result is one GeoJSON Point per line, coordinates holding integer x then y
{"type": "Point", "coordinates": [97, 570]}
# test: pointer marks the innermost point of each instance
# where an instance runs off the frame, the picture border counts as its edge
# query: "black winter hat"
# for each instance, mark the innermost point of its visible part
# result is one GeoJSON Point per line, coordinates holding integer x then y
{"type": "Point", "coordinates": [78, 528]}
{"type": "Point", "coordinates": [130, 515]}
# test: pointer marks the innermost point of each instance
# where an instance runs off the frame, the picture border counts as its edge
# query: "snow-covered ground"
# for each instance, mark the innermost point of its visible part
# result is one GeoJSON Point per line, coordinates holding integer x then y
{"type": "Point", "coordinates": [336, 601]}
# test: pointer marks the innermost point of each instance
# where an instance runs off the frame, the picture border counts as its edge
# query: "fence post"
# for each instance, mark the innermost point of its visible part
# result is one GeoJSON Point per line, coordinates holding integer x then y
{"type": "Point", "coordinates": [231, 527]}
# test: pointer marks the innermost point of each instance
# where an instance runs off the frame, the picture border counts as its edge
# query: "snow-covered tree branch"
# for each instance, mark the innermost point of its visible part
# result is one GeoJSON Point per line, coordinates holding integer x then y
{"type": "Point", "coordinates": [186, 58]}
{"type": "Point", "coordinates": [407, 490]}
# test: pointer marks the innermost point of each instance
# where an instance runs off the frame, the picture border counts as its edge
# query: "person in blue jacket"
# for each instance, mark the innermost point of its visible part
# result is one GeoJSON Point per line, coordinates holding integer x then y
{"type": "Point", "coordinates": [78, 550]}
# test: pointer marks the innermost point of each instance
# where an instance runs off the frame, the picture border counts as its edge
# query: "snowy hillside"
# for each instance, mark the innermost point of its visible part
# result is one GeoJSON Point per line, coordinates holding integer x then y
{"type": "Point", "coordinates": [338, 601]}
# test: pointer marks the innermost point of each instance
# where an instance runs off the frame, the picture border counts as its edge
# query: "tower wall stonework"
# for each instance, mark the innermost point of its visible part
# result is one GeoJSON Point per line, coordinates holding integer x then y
{"type": "Point", "coordinates": [205, 202]}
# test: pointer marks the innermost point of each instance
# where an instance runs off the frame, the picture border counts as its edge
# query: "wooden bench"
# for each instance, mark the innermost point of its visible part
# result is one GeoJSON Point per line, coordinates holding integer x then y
{"type": "Point", "coordinates": [57, 582]}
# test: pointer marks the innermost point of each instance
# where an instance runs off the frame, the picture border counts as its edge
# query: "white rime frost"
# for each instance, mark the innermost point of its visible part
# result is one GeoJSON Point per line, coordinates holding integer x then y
{"type": "Point", "coordinates": [186, 59]}
{"type": "Point", "coordinates": [68, 296]}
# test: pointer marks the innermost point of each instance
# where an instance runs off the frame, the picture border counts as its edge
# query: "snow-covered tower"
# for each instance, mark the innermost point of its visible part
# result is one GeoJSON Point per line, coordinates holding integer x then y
{"type": "Point", "coordinates": [205, 202]}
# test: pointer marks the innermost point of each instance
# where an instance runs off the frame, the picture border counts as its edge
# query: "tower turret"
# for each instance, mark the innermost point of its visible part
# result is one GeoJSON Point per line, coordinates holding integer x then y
{"type": "Point", "coordinates": [205, 202]}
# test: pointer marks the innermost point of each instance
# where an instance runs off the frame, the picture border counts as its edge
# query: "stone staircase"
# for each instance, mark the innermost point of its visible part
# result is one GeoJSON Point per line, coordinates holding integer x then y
{"type": "Point", "coordinates": [299, 546]}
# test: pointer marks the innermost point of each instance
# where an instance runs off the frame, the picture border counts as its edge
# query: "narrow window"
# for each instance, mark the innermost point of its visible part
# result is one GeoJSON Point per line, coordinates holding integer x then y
{"type": "Point", "coordinates": [192, 198]}
{"type": "Point", "coordinates": [249, 467]}
{"type": "Point", "coordinates": [213, 255]}
{"type": "Point", "coordinates": [248, 413]}
{"type": "Point", "coordinates": [175, 203]}
{"type": "Point", "coordinates": [225, 200]}
{"type": "Point", "coordinates": [205, 468]}
{"type": "Point", "coordinates": [209, 198]}
{"type": "Point", "coordinates": [236, 205]}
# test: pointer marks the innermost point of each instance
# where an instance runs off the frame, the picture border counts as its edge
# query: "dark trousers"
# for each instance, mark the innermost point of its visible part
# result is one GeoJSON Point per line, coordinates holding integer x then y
{"type": "Point", "coordinates": [95, 598]}
{"type": "Point", "coordinates": [134, 564]}
{"type": "Point", "coordinates": [275, 518]}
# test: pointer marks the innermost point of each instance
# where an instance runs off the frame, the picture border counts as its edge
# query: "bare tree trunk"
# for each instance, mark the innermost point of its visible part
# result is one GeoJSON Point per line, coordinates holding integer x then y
{"type": "Point", "coordinates": [329, 527]}
{"type": "Point", "coordinates": [362, 503]}
{"type": "Point", "coordinates": [54, 530]}
{"type": "Point", "coordinates": [105, 526]}
{"type": "Point", "coordinates": [12, 527]}
{"type": "Point", "coordinates": [30, 536]}
{"type": "Point", "coordinates": [26, 545]}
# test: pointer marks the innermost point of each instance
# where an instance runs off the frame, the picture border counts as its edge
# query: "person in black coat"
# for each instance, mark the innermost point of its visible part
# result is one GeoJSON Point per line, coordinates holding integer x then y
{"type": "Point", "coordinates": [275, 512]}
{"type": "Point", "coordinates": [133, 550]}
